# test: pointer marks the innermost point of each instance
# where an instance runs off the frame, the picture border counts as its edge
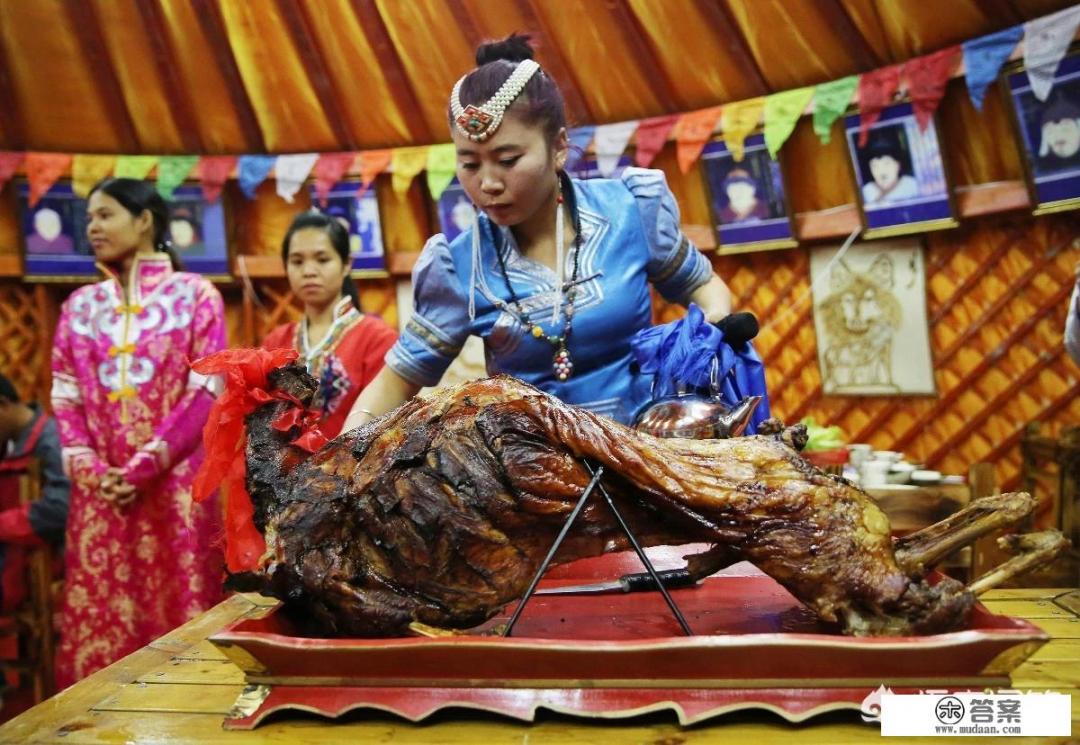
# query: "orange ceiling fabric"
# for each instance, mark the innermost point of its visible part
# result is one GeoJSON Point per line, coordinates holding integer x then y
{"type": "Point", "coordinates": [217, 76]}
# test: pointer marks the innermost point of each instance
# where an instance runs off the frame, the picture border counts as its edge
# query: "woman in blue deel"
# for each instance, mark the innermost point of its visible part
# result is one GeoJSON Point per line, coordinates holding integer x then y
{"type": "Point", "coordinates": [554, 274]}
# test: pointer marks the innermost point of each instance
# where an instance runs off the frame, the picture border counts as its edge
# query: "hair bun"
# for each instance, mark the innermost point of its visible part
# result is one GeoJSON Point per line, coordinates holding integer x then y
{"type": "Point", "coordinates": [514, 48]}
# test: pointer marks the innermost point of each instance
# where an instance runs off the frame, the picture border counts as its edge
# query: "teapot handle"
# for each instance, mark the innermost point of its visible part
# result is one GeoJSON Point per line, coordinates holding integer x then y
{"type": "Point", "coordinates": [714, 378]}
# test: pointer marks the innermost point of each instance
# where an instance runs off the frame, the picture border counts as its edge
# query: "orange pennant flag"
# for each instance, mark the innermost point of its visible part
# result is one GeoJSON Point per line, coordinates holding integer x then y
{"type": "Point", "coordinates": [87, 170]}
{"type": "Point", "coordinates": [738, 120]}
{"type": "Point", "coordinates": [42, 171]}
{"type": "Point", "coordinates": [406, 162]}
{"type": "Point", "coordinates": [372, 163]}
{"type": "Point", "coordinates": [692, 131]}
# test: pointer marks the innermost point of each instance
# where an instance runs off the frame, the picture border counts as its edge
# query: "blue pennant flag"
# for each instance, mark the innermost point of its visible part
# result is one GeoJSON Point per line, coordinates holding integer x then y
{"type": "Point", "coordinates": [580, 139]}
{"type": "Point", "coordinates": [983, 58]}
{"type": "Point", "coordinates": [252, 170]}
{"type": "Point", "coordinates": [682, 352]}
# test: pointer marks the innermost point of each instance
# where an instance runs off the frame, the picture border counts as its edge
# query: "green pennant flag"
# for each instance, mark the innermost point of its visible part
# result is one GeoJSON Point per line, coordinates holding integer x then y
{"type": "Point", "coordinates": [134, 166]}
{"type": "Point", "coordinates": [782, 111]}
{"type": "Point", "coordinates": [830, 101]}
{"type": "Point", "coordinates": [441, 162]}
{"type": "Point", "coordinates": [171, 172]}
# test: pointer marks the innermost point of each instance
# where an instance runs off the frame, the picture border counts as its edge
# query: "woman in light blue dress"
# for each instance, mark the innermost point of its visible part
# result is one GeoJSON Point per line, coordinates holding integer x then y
{"type": "Point", "coordinates": [554, 274]}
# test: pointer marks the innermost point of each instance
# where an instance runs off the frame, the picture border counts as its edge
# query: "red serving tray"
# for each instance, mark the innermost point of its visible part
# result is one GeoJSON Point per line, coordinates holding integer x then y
{"type": "Point", "coordinates": [617, 655]}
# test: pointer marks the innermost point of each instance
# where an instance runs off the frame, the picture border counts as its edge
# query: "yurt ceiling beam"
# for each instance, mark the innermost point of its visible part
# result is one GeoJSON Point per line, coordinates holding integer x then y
{"type": "Point", "coordinates": [645, 58]}
{"type": "Point", "coordinates": [397, 78]}
{"type": "Point", "coordinates": [466, 22]}
{"type": "Point", "coordinates": [168, 70]}
{"type": "Point", "coordinates": [213, 27]}
{"type": "Point", "coordinates": [837, 17]}
{"type": "Point", "coordinates": [11, 125]}
{"type": "Point", "coordinates": [731, 36]}
{"type": "Point", "coordinates": [576, 103]}
{"type": "Point", "coordinates": [296, 21]}
{"type": "Point", "coordinates": [88, 31]}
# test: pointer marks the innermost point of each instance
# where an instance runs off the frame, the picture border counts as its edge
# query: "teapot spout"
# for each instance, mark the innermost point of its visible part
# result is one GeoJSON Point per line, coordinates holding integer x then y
{"type": "Point", "coordinates": [734, 422]}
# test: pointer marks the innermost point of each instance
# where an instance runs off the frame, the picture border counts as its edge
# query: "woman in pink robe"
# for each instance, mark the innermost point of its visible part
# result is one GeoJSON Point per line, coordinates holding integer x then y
{"type": "Point", "coordinates": [141, 557]}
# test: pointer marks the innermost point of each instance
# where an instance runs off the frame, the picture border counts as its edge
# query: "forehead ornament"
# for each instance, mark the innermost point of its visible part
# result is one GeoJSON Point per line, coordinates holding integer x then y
{"type": "Point", "coordinates": [480, 122]}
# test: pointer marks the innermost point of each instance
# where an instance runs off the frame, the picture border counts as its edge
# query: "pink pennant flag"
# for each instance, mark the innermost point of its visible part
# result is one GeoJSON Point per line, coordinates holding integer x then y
{"type": "Point", "coordinates": [330, 169]}
{"type": "Point", "coordinates": [652, 133]}
{"type": "Point", "coordinates": [692, 131]}
{"type": "Point", "coordinates": [876, 91]}
{"type": "Point", "coordinates": [214, 171]}
{"type": "Point", "coordinates": [43, 170]}
{"type": "Point", "coordinates": [926, 79]}
{"type": "Point", "coordinates": [9, 164]}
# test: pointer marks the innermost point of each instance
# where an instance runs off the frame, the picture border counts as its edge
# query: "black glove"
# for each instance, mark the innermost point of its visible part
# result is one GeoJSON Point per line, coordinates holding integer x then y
{"type": "Point", "coordinates": [738, 328]}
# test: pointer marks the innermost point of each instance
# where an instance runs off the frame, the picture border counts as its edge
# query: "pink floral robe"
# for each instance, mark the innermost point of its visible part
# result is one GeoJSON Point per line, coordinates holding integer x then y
{"type": "Point", "coordinates": [124, 395]}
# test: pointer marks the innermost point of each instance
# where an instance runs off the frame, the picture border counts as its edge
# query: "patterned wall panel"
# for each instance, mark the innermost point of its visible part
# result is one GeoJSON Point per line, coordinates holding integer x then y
{"type": "Point", "coordinates": [997, 293]}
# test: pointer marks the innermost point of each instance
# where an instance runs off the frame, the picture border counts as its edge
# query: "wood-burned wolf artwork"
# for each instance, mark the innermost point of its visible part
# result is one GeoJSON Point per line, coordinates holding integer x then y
{"type": "Point", "coordinates": [861, 316]}
{"type": "Point", "coordinates": [870, 319]}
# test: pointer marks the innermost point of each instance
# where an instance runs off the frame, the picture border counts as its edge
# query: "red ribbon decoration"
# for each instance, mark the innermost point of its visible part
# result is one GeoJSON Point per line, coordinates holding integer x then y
{"type": "Point", "coordinates": [926, 78]}
{"type": "Point", "coordinates": [876, 91]}
{"type": "Point", "coordinates": [245, 373]}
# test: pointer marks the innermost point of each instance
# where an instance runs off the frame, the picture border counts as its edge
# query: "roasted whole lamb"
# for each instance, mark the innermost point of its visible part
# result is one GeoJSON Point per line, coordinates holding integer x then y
{"type": "Point", "coordinates": [440, 513]}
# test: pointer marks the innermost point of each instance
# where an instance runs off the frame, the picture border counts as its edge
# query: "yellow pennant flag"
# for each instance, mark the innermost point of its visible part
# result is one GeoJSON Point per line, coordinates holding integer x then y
{"type": "Point", "coordinates": [87, 170]}
{"type": "Point", "coordinates": [441, 164]}
{"type": "Point", "coordinates": [406, 162]}
{"type": "Point", "coordinates": [737, 121]}
{"type": "Point", "coordinates": [134, 166]}
{"type": "Point", "coordinates": [782, 112]}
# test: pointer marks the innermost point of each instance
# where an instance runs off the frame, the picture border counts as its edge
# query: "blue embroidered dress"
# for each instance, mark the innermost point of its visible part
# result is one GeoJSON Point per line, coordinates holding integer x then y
{"type": "Point", "coordinates": [630, 237]}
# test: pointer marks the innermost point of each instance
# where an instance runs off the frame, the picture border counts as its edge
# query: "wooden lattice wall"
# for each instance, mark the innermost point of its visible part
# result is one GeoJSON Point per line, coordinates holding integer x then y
{"type": "Point", "coordinates": [998, 290]}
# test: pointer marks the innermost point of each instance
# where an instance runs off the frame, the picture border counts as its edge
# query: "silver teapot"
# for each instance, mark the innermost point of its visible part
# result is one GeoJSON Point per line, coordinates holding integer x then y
{"type": "Point", "coordinates": [696, 416]}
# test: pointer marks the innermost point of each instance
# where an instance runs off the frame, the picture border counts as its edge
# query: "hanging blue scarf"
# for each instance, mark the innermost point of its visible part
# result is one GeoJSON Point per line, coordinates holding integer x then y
{"type": "Point", "coordinates": [682, 352]}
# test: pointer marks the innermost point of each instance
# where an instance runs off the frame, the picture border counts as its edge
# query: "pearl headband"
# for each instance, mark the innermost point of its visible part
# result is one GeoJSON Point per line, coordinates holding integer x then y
{"type": "Point", "coordinates": [480, 122]}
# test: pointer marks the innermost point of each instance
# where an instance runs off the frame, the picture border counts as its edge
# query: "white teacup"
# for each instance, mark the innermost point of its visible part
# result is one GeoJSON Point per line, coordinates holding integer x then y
{"type": "Point", "coordinates": [874, 473]}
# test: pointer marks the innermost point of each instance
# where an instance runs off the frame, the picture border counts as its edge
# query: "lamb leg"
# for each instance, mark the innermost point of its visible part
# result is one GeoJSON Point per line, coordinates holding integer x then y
{"type": "Point", "coordinates": [917, 552]}
{"type": "Point", "coordinates": [1031, 549]}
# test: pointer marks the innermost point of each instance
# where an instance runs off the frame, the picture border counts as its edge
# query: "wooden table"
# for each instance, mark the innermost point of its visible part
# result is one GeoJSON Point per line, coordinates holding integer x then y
{"type": "Point", "coordinates": [178, 689]}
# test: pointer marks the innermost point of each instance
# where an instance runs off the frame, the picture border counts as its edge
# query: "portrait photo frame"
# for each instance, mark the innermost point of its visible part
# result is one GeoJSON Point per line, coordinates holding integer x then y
{"type": "Point", "coordinates": [454, 210]}
{"type": "Point", "coordinates": [900, 175]}
{"type": "Point", "coordinates": [358, 210]}
{"type": "Point", "coordinates": [748, 200]}
{"type": "Point", "coordinates": [870, 318]}
{"type": "Point", "coordinates": [1048, 133]}
{"type": "Point", "coordinates": [56, 249]}
{"type": "Point", "coordinates": [55, 246]}
{"type": "Point", "coordinates": [198, 232]}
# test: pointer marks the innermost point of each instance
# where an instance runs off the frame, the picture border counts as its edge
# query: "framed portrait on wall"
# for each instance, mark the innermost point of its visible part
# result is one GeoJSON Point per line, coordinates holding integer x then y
{"type": "Point", "coordinates": [1049, 133]}
{"type": "Point", "coordinates": [197, 232]}
{"type": "Point", "coordinates": [56, 248]}
{"type": "Point", "coordinates": [900, 174]}
{"type": "Point", "coordinates": [359, 213]}
{"type": "Point", "coordinates": [870, 319]}
{"type": "Point", "coordinates": [747, 198]}
{"type": "Point", "coordinates": [455, 211]}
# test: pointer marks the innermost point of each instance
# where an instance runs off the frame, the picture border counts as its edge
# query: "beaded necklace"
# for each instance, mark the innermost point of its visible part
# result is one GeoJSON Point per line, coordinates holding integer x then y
{"type": "Point", "coordinates": [561, 362]}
